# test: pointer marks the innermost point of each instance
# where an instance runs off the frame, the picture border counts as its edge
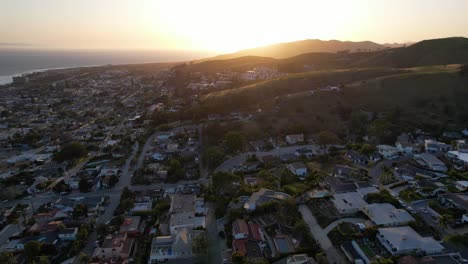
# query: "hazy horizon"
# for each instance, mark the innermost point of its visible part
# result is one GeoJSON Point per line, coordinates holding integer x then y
{"type": "Point", "coordinates": [223, 26]}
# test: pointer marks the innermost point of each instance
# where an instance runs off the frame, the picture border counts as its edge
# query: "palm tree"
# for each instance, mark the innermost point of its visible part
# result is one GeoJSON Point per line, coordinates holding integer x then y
{"type": "Point", "coordinates": [387, 176]}
{"type": "Point", "coordinates": [445, 219]}
{"type": "Point", "coordinates": [84, 258]}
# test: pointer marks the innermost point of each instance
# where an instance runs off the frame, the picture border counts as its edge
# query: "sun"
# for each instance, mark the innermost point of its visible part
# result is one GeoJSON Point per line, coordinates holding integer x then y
{"type": "Point", "coordinates": [228, 26]}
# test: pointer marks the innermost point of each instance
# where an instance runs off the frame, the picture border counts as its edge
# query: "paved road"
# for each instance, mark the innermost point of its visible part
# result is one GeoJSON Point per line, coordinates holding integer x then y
{"type": "Point", "coordinates": [377, 170]}
{"type": "Point", "coordinates": [214, 251]}
{"type": "Point", "coordinates": [343, 220]}
{"type": "Point", "coordinates": [9, 231]}
{"type": "Point", "coordinates": [229, 164]}
{"type": "Point", "coordinates": [333, 255]}
{"type": "Point", "coordinates": [114, 200]}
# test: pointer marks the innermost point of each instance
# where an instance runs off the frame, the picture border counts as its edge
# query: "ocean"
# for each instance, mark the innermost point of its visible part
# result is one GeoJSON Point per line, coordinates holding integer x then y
{"type": "Point", "coordinates": [14, 62]}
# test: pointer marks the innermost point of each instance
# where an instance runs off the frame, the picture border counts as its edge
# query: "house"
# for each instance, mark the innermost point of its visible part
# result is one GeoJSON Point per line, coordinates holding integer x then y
{"type": "Point", "coordinates": [263, 196]}
{"type": "Point", "coordinates": [283, 244]}
{"type": "Point", "coordinates": [298, 169]}
{"type": "Point", "coordinates": [461, 185]}
{"type": "Point", "coordinates": [459, 158]}
{"type": "Point", "coordinates": [130, 225]}
{"type": "Point", "coordinates": [433, 146]}
{"type": "Point", "coordinates": [428, 187]}
{"type": "Point", "coordinates": [296, 259]}
{"type": "Point", "coordinates": [174, 246]}
{"type": "Point", "coordinates": [158, 156]}
{"type": "Point", "coordinates": [364, 191]}
{"type": "Point", "coordinates": [183, 212]}
{"type": "Point", "coordinates": [461, 146]}
{"type": "Point", "coordinates": [431, 162]}
{"type": "Point", "coordinates": [248, 248]}
{"type": "Point", "coordinates": [374, 156]}
{"type": "Point", "coordinates": [338, 185]}
{"type": "Point", "coordinates": [259, 145]}
{"type": "Point", "coordinates": [348, 203]}
{"type": "Point", "coordinates": [405, 172]}
{"type": "Point", "coordinates": [385, 214]}
{"type": "Point", "coordinates": [403, 144]}
{"type": "Point", "coordinates": [356, 157]}
{"type": "Point", "coordinates": [92, 203]}
{"type": "Point", "coordinates": [404, 240]}
{"type": "Point", "coordinates": [141, 207]}
{"type": "Point", "coordinates": [294, 139]}
{"type": "Point", "coordinates": [388, 152]}
{"type": "Point", "coordinates": [68, 234]}
{"type": "Point", "coordinates": [454, 200]}
{"type": "Point", "coordinates": [172, 147]}
{"type": "Point", "coordinates": [343, 171]}
{"type": "Point", "coordinates": [114, 247]}
{"type": "Point", "coordinates": [243, 230]}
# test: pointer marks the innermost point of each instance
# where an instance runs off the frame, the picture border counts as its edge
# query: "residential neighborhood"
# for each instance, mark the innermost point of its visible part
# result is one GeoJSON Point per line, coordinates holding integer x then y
{"type": "Point", "coordinates": [113, 165]}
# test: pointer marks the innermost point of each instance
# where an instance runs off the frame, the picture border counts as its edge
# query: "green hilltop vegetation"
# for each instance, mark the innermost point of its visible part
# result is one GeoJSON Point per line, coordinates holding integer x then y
{"type": "Point", "coordinates": [228, 100]}
{"type": "Point", "coordinates": [426, 97]}
{"type": "Point", "coordinates": [424, 53]}
{"type": "Point", "coordinates": [290, 49]}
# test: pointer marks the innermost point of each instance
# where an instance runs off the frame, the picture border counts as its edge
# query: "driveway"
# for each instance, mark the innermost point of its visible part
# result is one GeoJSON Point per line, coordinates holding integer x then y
{"type": "Point", "coordinates": [333, 255]}
{"type": "Point", "coordinates": [343, 220]}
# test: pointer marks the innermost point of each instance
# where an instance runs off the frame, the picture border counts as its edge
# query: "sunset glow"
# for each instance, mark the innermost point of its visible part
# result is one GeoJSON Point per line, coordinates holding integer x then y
{"type": "Point", "coordinates": [223, 26]}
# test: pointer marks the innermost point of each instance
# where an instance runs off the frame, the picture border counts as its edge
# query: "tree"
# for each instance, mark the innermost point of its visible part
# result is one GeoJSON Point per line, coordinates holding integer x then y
{"type": "Point", "coordinates": [80, 210]}
{"type": "Point", "coordinates": [380, 128]}
{"type": "Point", "coordinates": [445, 219]}
{"type": "Point", "coordinates": [464, 70]}
{"type": "Point", "coordinates": [213, 156]}
{"type": "Point", "coordinates": [200, 245]}
{"type": "Point", "coordinates": [176, 171]}
{"type": "Point", "coordinates": [367, 149]}
{"type": "Point", "coordinates": [32, 249]}
{"type": "Point", "coordinates": [84, 258]}
{"type": "Point", "coordinates": [237, 257]}
{"type": "Point", "coordinates": [357, 122]}
{"type": "Point", "coordinates": [83, 185]}
{"type": "Point", "coordinates": [71, 151]}
{"type": "Point", "coordinates": [325, 138]}
{"type": "Point", "coordinates": [102, 230]}
{"type": "Point", "coordinates": [234, 141]}
{"type": "Point", "coordinates": [7, 258]}
{"type": "Point", "coordinates": [387, 176]}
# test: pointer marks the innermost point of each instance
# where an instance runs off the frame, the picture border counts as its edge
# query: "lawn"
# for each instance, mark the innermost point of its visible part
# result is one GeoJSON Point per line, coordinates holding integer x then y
{"type": "Point", "coordinates": [323, 211]}
{"type": "Point", "coordinates": [410, 195]}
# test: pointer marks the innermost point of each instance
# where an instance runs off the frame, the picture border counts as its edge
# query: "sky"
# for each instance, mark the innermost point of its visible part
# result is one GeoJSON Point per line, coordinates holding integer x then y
{"type": "Point", "coordinates": [221, 25]}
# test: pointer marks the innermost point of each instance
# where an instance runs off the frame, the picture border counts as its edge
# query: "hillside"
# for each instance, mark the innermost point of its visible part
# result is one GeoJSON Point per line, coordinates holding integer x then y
{"type": "Point", "coordinates": [228, 100]}
{"type": "Point", "coordinates": [374, 89]}
{"type": "Point", "coordinates": [237, 64]}
{"type": "Point", "coordinates": [290, 49]}
{"type": "Point", "coordinates": [424, 53]}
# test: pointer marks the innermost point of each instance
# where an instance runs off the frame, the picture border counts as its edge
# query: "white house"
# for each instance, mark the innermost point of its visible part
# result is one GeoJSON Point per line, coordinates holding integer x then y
{"type": "Point", "coordinates": [403, 144]}
{"type": "Point", "coordinates": [240, 229]}
{"type": "Point", "coordinates": [349, 202]}
{"type": "Point", "coordinates": [68, 234]}
{"type": "Point", "coordinates": [385, 214]}
{"type": "Point", "coordinates": [293, 139]}
{"type": "Point", "coordinates": [157, 156]}
{"type": "Point", "coordinates": [404, 240]}
{"type": "Point", "coordinates": [461, 185]}
{"type": "Point", "coordinates": [298, 169]}
{"type": "Point", "coordinates": [388, 152]}
{"type": "Point", "coordinates": [435, 146]}
{"type": "Point", "coordinates": [431, 162]}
